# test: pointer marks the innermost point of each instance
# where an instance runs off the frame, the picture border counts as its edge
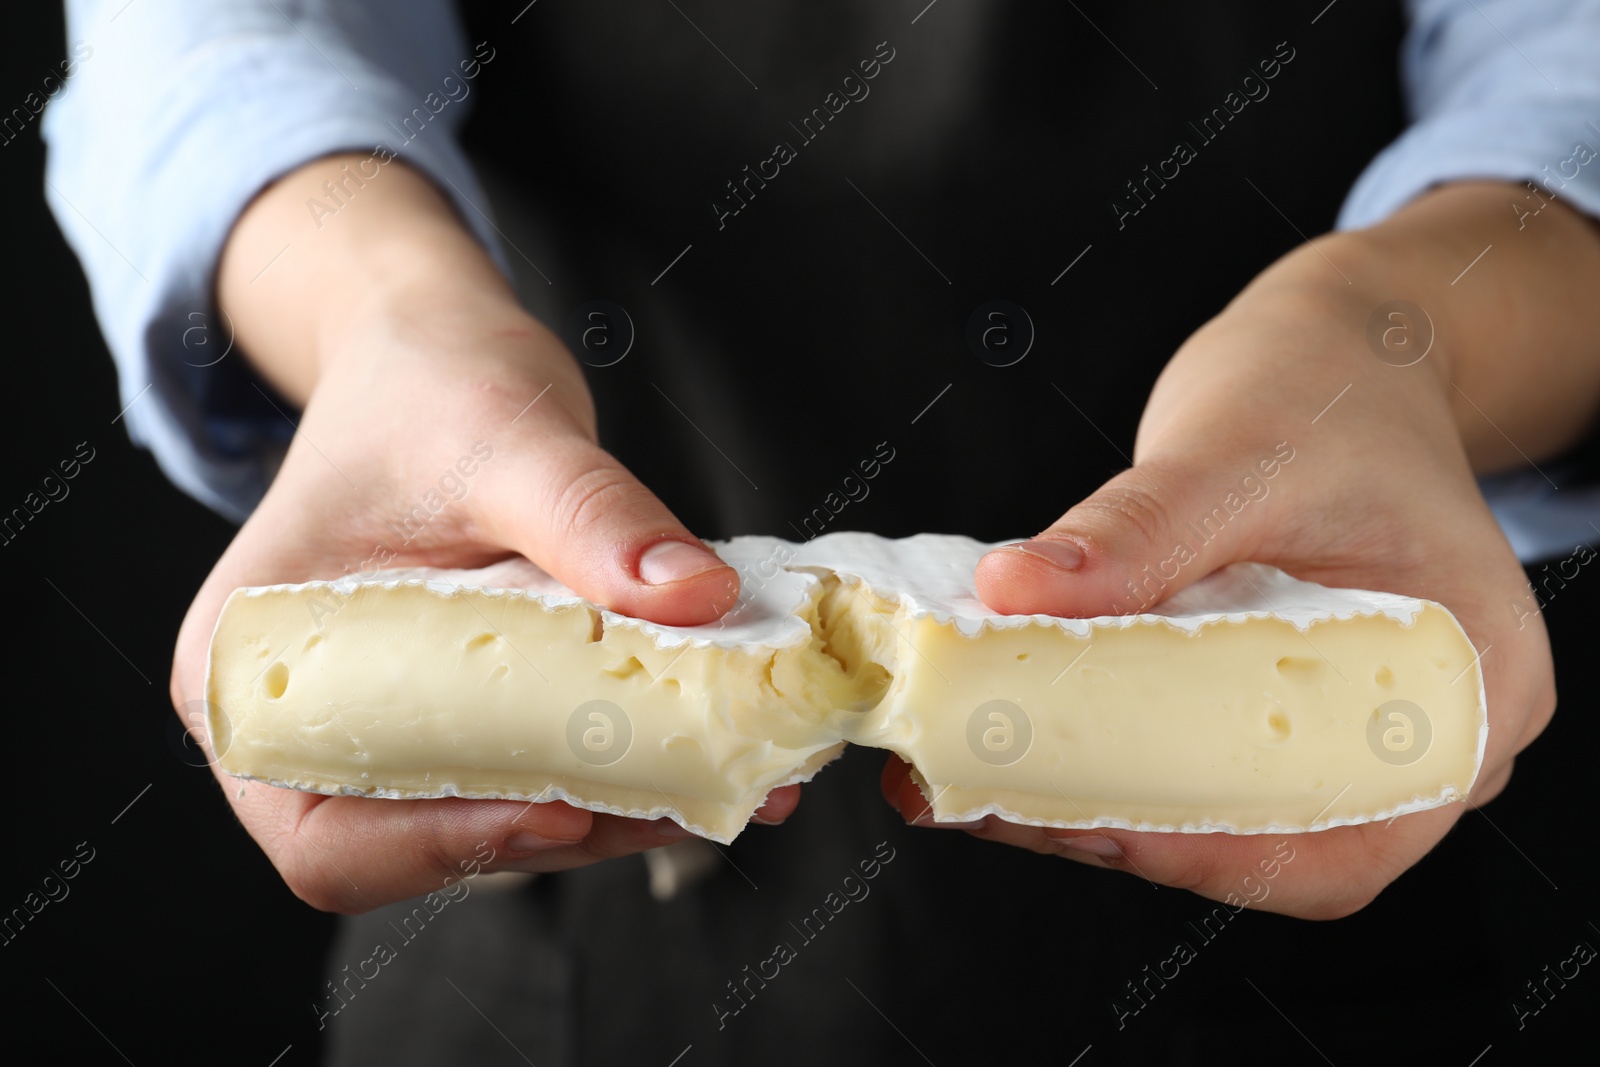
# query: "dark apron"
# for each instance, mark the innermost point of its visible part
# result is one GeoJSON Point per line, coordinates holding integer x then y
{"type": "Point", "coordinates": [867, 287]}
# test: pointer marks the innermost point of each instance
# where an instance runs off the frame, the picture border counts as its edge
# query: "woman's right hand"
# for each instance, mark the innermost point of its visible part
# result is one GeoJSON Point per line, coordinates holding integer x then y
{"type": "Point", "coordinates": [413, 364]}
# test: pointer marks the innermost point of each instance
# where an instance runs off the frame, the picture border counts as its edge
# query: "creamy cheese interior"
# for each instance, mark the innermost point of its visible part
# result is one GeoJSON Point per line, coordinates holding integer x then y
{"type": "Point", "coordinates": [1256, 703]}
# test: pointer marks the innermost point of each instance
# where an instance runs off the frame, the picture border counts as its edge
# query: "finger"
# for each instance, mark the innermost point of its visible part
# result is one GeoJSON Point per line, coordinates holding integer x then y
{"type": "Point", "coordinates": [350, 854]}
{"type": "Point", "coordinates": [1147, 533]}
{"type": "Point", "coordinates": [616, 835]}
{"type": "Point", "coordinates": [610, 837]}
{"type": "Point", "coordinates": [1322, 875]}
{"type": "Point", "coordinates": [1493, 782]}
{"type": "Point", "coordinates": [569, 506]}
{"type": "Point", "coordinates": [905, 796]}
{"type": "Point", "coordinates": [779, 805]}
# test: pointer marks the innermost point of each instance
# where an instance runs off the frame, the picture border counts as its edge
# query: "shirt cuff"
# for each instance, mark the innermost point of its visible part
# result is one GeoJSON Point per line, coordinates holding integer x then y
{"type": "Point", "coordinates": [1540, 522]}
{"type": "Point", "coordinates": [230, 123]}
{"type": "Point", "coordinates": [1553, 146]}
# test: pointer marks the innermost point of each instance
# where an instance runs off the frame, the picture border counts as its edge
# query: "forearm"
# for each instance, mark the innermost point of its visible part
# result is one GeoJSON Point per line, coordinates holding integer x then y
{"type": "Point", "coordinates": [295, 282]}
{"type": "Point", "coordinates": [1515, 358]}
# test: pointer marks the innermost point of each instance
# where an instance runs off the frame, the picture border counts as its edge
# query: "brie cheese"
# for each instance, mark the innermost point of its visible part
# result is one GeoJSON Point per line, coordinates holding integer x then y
{"type": "Point", "coordinates": [1249, 703]}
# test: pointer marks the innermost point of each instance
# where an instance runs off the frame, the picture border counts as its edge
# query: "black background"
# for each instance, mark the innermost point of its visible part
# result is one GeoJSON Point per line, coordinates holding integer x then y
{"type": "Point", "coordinates": [178, 936]}
{"type": "Point", "coordinates": [178, 942]}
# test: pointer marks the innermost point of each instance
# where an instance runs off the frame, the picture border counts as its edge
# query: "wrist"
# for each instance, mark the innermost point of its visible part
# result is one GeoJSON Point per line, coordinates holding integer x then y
{"type": "Point", "coordinates": [1290, 355]}
{"type": "Point", "coordinates": [1335, 301]}
{"type": "Point", "coordinates": [1507, 315]}
{"type": "Point", "coordinates": [1449, 300]}
{"type": "Point", "coordinates": [295, 282]}
{"type": "Point", "coordinates": [454, 354]}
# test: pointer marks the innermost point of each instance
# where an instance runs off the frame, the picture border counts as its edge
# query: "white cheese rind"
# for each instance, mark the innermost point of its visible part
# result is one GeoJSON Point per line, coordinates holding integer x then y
{"type": "Point", "coordinates": [1245, 704]}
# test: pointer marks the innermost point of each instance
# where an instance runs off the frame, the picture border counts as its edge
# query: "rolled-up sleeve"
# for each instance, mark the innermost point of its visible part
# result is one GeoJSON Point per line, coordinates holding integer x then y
{"type": "Point", "coordinates": [1504, 90]}
{"type": "Point", "coordinates": [177, 114]}
{"type": "Point", "coordinates": [1497, 89]}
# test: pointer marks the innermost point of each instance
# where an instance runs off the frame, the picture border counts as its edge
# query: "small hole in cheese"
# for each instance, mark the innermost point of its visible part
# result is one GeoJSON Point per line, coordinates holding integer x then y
{"type": "Point", "coordinates": [276, 680]}
{"type": "Point", "coordinates": [628, 668]}
{"type": "Point", "coordinates": [480, 641]}
{"type": "Point", "coordinates": [1300, 669]}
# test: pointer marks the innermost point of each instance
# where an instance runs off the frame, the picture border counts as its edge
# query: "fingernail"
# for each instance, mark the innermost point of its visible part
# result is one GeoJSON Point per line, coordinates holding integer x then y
{"type": "Point", "coordinates": [1062, 554]}
{"type": "Point", "coordinates": [523, 841]}
{"type": "Point", "coordinates": [762, 820]}
{"type": "Point", "coordinates": [673, 561]}
{"type": "Point", "coordinates": [1093, 844]}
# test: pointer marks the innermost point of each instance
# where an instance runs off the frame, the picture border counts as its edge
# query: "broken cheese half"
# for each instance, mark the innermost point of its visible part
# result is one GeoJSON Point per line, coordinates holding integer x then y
{"type": "Point", "coordinates": [1249, 703]}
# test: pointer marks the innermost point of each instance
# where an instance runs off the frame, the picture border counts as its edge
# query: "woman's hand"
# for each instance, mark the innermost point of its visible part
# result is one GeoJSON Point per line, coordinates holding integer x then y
{"type": "Point", "coordinates": [1378, 492]}
{"type": "Point", "coordinates": [414, 365]}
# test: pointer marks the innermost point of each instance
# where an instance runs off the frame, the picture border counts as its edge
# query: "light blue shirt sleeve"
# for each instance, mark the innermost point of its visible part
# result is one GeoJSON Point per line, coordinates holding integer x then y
{"type": "Point", "coordinates": [1497, 89]}
{"type": "Point", "coordinates": [185, 109]}
{"type": "Point", "coordinates": [179, 114]}
{"type": "Point", "coordinates": [1506, 90]}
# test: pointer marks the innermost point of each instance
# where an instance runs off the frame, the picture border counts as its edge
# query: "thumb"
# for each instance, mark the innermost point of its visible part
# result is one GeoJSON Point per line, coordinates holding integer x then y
{"type": "Point", "coordinates": [570, 507]}
{"type": "Point", "coordinates": [1147, 533]}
